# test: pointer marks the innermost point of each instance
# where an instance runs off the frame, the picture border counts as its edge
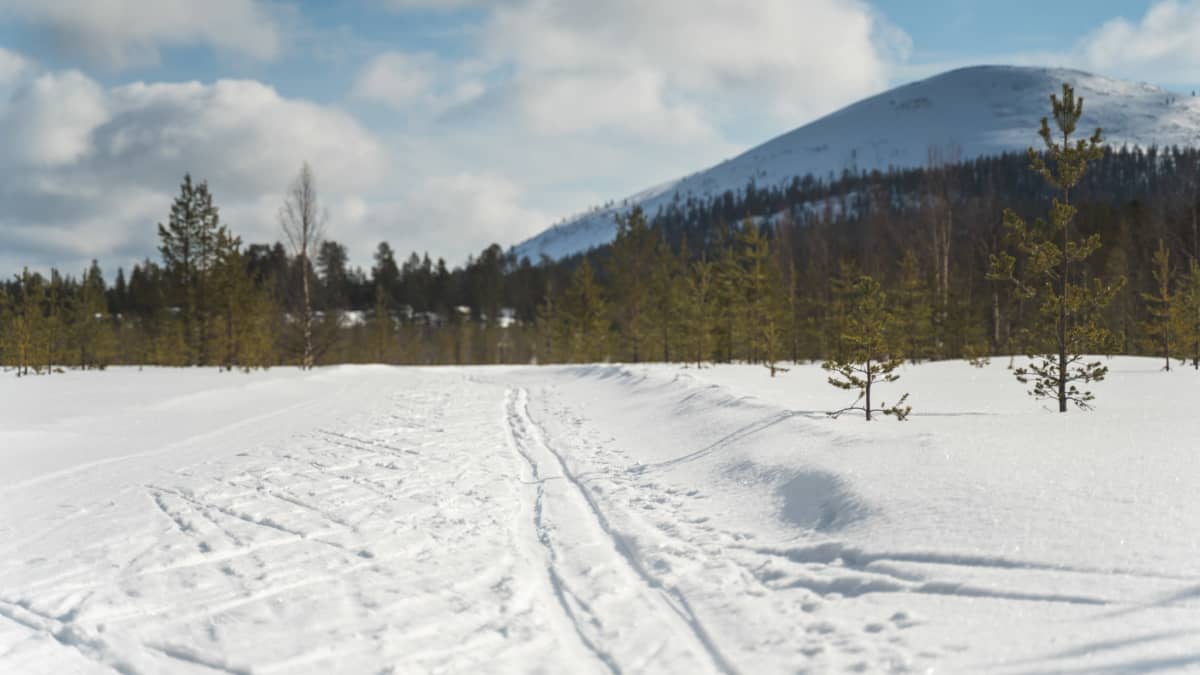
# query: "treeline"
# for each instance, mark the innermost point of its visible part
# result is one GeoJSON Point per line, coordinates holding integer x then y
{"type": "Point", "coordinates": [763, 275]}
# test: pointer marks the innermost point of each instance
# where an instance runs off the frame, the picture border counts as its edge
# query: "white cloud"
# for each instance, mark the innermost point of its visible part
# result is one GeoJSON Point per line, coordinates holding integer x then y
{"type": "Point", "coordinates": [12, 66]}
{"type": "Point", "coordinates": [94, 169]}
{"type": "Point", "coordinates": [633, 101]}
{"type": "Point", "coordinates": [793, 59]}
{"type": "Point", "coordinates": [449, 216]}
{"type": "Point", "coordinates": [50, 120]}
{"type": "Point", "coordinates": [127, 32]}
{"type": "Point", "coordinates": [397, 79]}
{"type": "Point", "coordinates": [1163, 46]}
{"type": "Point", "coordinates": [418, 83]}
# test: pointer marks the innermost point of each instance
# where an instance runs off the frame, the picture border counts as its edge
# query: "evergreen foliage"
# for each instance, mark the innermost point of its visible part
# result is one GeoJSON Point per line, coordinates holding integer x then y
{"type": "Point", "coordinates": [1053, 274]}
{"type": "Point", "coordinates": [630, 270]}
{"type": "Point", "coordinates": [1162, 323]}
{"type": "Point", "coordinates": [868, 357]}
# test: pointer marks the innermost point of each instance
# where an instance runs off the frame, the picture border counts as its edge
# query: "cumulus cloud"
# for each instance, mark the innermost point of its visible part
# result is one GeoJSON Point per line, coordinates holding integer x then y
{"type": "Point", "coordinates": [795, 60]}
{"type": "Point", "coordinates": [93, 169]}
{"type": "Point", "coordinates": [397, 78]}
{"type": "Point", "coordinates": [12, 66]}
{"type": "Point", "coordinates": [1163, 46]}
{"type": "Point", "coordinates": [450, 216]}
{"type": "Point", "coordinates": [50, 120]}
{"type": "Point", "coordinates": [418, 83]}
{"type": "Point", "coordinates": [131, 32]}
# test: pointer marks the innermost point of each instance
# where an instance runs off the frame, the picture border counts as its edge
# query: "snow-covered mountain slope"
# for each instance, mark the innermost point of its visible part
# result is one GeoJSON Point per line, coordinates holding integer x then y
{"type": "Point", "coordinates": [965, 113]}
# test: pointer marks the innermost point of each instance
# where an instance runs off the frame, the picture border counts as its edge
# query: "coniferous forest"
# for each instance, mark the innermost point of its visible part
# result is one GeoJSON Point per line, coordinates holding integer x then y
{"type": "Point", "coordinates": [767, 275]}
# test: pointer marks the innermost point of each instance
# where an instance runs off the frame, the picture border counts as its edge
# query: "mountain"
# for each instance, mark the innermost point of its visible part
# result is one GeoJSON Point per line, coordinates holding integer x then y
{"type": "Point", "coordinates": [963, 114]}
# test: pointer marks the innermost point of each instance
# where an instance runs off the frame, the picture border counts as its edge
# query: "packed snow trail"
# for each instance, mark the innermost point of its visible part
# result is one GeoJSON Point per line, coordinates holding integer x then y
{"type": "Point", "coordinates": [598, 519]}
{"type": "Point", "coordinates": [621, 611]}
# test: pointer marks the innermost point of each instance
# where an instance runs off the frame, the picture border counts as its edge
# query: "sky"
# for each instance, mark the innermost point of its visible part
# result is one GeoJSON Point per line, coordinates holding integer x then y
{"type": "Point", "coordinates": [443, 126]}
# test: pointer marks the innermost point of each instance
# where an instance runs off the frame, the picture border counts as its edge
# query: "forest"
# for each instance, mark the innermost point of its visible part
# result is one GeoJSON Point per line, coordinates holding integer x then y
{"type": "Point", "coordinates": [764, 275]}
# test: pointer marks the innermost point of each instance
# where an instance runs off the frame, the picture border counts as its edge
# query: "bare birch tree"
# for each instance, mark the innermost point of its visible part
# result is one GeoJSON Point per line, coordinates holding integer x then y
{"type": "Point", "coordinates": [303, 224]}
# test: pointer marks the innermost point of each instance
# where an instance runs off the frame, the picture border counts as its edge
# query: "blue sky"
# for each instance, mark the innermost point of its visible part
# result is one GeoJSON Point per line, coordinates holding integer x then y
{"type": "Point", "coordinates": [445, 125]}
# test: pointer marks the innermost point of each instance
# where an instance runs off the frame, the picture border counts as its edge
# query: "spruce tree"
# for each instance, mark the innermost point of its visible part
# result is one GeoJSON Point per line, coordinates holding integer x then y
{"type": "Point", "coordinates": [1053, 274]}
{"type": "Point", "coordinates": [867, 357]}
{"type": "Point", "coordinates": [1162, 324]}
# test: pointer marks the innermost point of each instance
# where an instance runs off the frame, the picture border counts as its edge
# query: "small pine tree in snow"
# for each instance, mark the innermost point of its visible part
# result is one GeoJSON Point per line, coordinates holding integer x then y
{"type": "Point", "coordinates": [867, 357]}
{"type": "Point", "coordinates": [1053, 274]}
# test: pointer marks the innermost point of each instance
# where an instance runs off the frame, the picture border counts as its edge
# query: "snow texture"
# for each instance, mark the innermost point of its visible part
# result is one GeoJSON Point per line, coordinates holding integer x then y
{"type": "Point", "coordinates": [971, 112]}
{"type": "Point", "coordinates": [594, 519]}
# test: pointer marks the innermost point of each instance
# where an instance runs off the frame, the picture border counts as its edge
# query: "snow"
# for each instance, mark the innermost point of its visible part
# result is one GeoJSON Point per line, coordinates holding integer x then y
{"type": "Point", "coordinates": [970, 112]}
{"type": "Point", "coordinates": [605, 518]}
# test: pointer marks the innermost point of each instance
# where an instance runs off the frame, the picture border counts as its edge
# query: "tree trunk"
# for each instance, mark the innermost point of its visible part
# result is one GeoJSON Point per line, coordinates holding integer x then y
{"type": "Point", "coordinates": [867, 390]}
{"type": "Point", "coordinates": [1062, 308]}
{"type": "Point", "coordinates": [308, 346]}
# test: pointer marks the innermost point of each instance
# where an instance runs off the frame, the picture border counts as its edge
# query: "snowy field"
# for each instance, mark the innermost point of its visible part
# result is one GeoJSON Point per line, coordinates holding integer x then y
{"type": "Point", "coordinates": [623, 519]}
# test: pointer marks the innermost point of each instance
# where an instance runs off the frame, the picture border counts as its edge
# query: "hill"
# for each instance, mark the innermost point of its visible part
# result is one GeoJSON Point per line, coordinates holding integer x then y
{"type": "Point", "coordinates": [962, 114]}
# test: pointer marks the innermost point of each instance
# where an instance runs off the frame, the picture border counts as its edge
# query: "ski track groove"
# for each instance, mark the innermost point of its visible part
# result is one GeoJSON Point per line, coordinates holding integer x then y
{"type": "Point", "coordinates": [679, 607]}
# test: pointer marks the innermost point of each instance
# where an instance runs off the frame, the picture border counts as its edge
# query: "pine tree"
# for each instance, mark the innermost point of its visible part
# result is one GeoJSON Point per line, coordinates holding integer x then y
{"type": "Point", "coordinates": [189, 248]}
{"type": "Point", "coordinates": [552, 330]}
{"type": "Point", "coordinates": [382, 327]}
{"type": "Point", "coordinates": [914, 305]}
{"type": "Point", "coordinates": [727, 297]}
{"type": "Point", "coordinates": [1053, 274]}
{"type": "Point", "coordinates": [630, 269]}
{"type": "Point", "coordinates": [843, 291]}
{"type": "Point", "coordinates": [1187, 315]}
{"type": "Point", "coordinates": [666, 289]}
{"type": "Point", "coordinates": [245, 314]}
{"type": "Point", "coordinates": [868, 358]}
{"type": "Point", "coordinates": [588, 317]}
{"type": "Point", "coordinates": [53, 316]}
{"type": "Point", "coordinates": [1162, 325]}
{"type": "Point", "coordinates": [95, 343]}
{"type": "Point", "coordinates": [762, 302]}
{"type": "Point", "coordinates": [696, 313]}
{"type": "Point", "coordinates": [27, 344]}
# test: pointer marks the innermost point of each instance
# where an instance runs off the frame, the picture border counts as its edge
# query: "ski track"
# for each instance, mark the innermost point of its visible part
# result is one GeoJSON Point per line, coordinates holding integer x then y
{"type": "Point", "coordinates": [666, 610]}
